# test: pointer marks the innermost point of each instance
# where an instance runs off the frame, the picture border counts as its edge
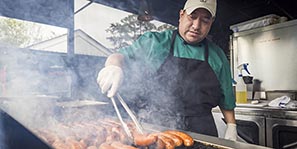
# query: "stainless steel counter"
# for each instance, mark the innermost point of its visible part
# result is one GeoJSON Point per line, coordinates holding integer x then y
{"type": "Point", "coordinates": [274, 127]}
{"type": "Point", "coordinates": [265, 111]}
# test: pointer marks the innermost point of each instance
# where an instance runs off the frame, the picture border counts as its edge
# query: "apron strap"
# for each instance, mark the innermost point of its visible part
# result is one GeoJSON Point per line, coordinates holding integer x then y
{"type": "Point", "coordinates": [206, 50]}
{"type": "Point", "coordinates": [171, 52]}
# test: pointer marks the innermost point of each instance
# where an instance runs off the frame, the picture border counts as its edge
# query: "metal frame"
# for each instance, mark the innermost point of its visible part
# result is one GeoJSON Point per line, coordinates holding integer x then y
{"type": "Point", "coordinates": [273, 122]}
{"type": "Point", "coordinates": [259, 121]}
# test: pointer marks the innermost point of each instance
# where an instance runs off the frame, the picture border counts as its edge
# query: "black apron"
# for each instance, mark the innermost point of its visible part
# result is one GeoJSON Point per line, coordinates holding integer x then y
{"type": "Point", "coordinates": [182, 94]}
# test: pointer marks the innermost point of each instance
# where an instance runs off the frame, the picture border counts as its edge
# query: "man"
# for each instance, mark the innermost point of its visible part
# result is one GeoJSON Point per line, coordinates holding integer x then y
{"type": "Point", "coordinates": [189, 75]}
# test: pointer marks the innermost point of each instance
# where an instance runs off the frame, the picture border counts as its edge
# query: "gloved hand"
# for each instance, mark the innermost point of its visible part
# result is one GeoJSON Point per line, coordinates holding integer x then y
{"type": "Point", "coordinates": [231, 132]}
{"type": "Point", "coordinates": [110, 79]}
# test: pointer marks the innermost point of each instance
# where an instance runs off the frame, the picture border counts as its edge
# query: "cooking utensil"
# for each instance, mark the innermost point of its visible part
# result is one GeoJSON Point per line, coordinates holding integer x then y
{"type": "Point", "coordinates": [131, 114]}
{"type": "Point", "coordinates": [124, 125]}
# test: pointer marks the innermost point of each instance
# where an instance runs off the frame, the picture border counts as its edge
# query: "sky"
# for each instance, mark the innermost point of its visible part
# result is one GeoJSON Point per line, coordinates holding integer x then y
{"type": "Point", "coordinates": [96, 18]}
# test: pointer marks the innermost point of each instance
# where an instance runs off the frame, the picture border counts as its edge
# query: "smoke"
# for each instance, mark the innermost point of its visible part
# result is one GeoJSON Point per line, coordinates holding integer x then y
{"type": "Point", "coordinates": [147, 96]}
{"type": "Point", "coordinates": [36, 80]}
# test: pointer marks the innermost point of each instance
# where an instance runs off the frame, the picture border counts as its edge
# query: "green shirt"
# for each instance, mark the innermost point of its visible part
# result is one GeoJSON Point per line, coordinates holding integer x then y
{"type": "Point", "coordinates": [152, 48]}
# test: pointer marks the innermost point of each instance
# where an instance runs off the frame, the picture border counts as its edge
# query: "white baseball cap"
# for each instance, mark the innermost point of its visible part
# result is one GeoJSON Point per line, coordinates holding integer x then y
{"type": "Point", "coordinates": [210, 5]}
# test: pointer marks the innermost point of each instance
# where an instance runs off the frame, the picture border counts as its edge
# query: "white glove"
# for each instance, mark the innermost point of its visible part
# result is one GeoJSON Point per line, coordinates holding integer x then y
{"type": "Point", "coordinates": [110, 79]}
{"type": "Point", "coordinates": [231, 132]}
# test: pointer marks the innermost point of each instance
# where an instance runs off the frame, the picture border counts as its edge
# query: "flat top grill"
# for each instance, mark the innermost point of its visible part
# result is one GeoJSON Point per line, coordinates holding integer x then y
{"type": "Point", "coordinates": [68, 125]}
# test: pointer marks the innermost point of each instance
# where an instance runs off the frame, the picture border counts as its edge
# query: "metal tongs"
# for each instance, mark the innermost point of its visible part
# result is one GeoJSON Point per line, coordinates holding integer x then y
{"type": "Point", "coordinates": [131, 115]}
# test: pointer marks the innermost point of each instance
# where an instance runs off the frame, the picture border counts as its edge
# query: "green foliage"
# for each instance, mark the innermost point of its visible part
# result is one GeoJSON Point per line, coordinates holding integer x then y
{"type": "Point", "coordinates": [18, 33]}
{"type": "Point", "coordinates": [123, 33]}
{"type": "Point", "coordinates": [13, 32]}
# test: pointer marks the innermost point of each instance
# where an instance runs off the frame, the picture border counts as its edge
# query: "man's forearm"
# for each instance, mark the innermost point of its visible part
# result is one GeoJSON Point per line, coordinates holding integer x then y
{"type": "Point", "coordinates": [228, 115]}
{"type": "Point", "coordinates": [115, 59]}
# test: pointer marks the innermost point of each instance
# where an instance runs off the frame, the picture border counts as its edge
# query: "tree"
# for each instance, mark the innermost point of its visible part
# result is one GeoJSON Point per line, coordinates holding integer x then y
{"type": "Point", "coordinates": [19, 33]}
{"type": "Point", "coordinates": [13, 32]}
{"type": "Point", "coordinates": [129, 29]}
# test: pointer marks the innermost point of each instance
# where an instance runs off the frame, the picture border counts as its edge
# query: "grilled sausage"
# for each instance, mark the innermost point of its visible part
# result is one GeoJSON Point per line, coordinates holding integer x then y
{"type": "Point", "coordinates": [59, 144]}
{"type": "Point", "coordinates": [94, 147]}
{"type": "Point", "coordinates": [120, 133]}
{"type": "Point", "coordinates": [144, 140]}
{"type": "Point", "coordinates": [169, 143]}
{"type": "Point", "coordinates": [120, 145]}
{"type": "Point", "coordinates": [49, 136]}
{"type": "Point", "coordinates": [96, 134]}
{"type": "Point", "coordinates": [73, 144]}
{"type": "Point", "coordinates": [112, 137]}
{"type": "Point", "coordinates": [176, 139]}
{"type": "Point", "coordinates": [83, 143]}
{"type": "Point", "coordinates": [187, 139]}
{"type": "Point", "coordinates": [106, 146]}
{"type": "Point", "coordinates": [159, 144]}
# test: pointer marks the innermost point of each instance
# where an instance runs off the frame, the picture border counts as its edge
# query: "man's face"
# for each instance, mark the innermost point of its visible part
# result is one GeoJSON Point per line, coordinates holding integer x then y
{"type": "Point", "coordinates": [194, 27]}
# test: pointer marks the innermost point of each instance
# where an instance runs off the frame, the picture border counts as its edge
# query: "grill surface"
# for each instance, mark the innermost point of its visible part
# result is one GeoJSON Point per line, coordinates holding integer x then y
{"type": "Point", "coordinates": [28, 137]}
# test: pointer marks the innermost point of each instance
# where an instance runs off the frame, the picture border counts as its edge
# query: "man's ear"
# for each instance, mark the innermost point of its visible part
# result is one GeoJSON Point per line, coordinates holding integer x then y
{"type": "Point", "coordinates": [213, 19]}
{"type": "Point", "coordinates": [181, 13]}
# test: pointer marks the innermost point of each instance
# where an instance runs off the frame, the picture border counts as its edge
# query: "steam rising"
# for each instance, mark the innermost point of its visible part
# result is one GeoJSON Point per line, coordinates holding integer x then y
{"type": "Point", "coordinates": [148, 97]}
{"type": "Point", "coordinates": [36, 81]}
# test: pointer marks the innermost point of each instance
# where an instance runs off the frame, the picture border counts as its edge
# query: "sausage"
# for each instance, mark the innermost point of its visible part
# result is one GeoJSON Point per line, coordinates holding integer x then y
{"type": "Point", "coordinates": [143, 139]}
{"type": "Point", "coordinates": [83, 143]}
{"type": "Point", "coordinates": [160, 144]}
{"type": "Point", "coordinates": [93, 147]}
{"type": "Point", "coordinates": [73, 144]}
{"type": "Point", "coordinates": [112, 137]}
{"type": "Point", "coordinates": [106, 146]}
{"type": "Point", "coordinates": [99, 130]}
{"type": "Point", "coordinates": [120, 145]}
{"type": "Point", "coordinates": [169, 143]}
{"type": "Point", "coordinates": [59, 144]}
{"type": "Point", "coordinates": [120, 133]}
{"type": "Point", "coordinates": [49, 136]}
{"type": "Point", "coordinates": [187, 139]}
{"type": "Point", "coordinates": [176, 139]}
{"type": "Point", "coordinates": [112, 122]}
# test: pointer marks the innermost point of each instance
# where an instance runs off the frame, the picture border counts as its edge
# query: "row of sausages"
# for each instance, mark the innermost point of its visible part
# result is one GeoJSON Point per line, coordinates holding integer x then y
{"type": "Point", "coordinates": [168, 139]}
{"type": "Point", "coordinates": [108, 134]}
